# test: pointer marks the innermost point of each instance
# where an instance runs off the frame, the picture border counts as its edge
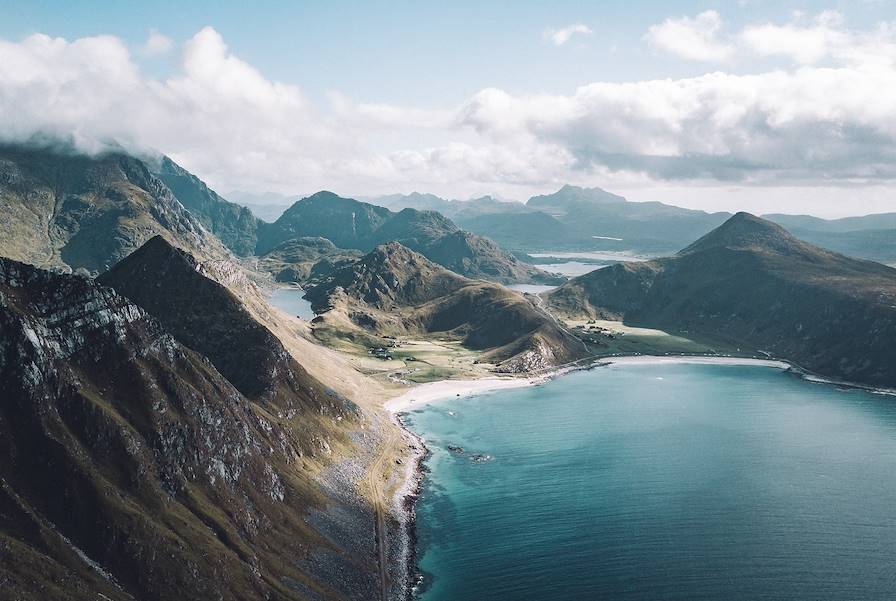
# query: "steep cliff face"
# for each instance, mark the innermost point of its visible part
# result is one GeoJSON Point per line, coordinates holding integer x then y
{"type": "Point", "coordinates": [751, 284]}
{"type": "Point", "coordinates": [69, 211]}
{"type": "Point", "coordinates": [233, 224]}
{"type": "Point", "coordinates": [130, 467]}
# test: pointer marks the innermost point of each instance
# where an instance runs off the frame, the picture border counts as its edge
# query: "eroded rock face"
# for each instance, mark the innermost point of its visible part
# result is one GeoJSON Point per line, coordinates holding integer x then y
{"type": "Point", "coordinates": [129, 466]}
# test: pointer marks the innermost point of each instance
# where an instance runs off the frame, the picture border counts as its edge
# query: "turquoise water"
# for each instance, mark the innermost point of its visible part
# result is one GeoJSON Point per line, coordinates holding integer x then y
{"type": "Point", "coordinates": [291, 301]}
{"type": "Point", "coordinates": [661, 482]}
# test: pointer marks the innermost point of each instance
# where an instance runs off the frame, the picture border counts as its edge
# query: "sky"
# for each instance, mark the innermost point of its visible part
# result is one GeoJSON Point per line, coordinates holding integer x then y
{"type": "Point", "coordinates": [751, 105]}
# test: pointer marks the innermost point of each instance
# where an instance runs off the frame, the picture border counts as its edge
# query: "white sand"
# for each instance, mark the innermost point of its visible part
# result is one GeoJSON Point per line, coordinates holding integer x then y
{"type": "Point", "coordinates": [656, 360]}
{"type": "Point", "coordinates": [430, 392]}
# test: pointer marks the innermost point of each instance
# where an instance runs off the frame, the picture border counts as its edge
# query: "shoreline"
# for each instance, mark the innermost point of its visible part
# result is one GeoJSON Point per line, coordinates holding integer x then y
{"type": "Point", "coordinates": [694, 360]}
{"type": "Point", "coordinates": [421, 395]}
{"type": "Point", "coordinates": [424, 394]}
{"type": "Point", "coordinates": [433, 392]}
{"type": "Point", "coordinates": [403, 508]}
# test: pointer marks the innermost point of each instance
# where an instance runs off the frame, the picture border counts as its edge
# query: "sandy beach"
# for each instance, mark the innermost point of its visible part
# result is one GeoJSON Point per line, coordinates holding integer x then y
{"type": "Point", "coordinates": [425, 394]}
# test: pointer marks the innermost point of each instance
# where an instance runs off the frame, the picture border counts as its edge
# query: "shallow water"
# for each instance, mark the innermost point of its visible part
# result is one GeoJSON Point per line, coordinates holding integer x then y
{"type": "Point", "coordinates": [291, 301]}
{"type": "Point", "coordinates": [661, 482]}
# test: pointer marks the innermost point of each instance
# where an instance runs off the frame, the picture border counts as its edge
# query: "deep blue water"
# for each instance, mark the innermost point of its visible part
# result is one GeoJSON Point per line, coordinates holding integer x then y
{"type": "Point", "coordinates": [291, 301]}
{"type": "Point", "coordinates": [661, 482]}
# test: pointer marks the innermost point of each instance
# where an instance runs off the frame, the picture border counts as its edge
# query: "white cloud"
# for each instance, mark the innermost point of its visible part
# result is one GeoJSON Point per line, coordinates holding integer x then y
{"type": "Point", "coordinates": [558, 37]}
{"type": "Point", "coordinates": [810, 124]}
{"type": "Point", "coordinates": [222, 118]}
{"type": "Point", "coordinates": [157, 44]}
{"type": "Point", "coordinates": [826, 39]}
{"type": "Point", "coordinates": [691, 38]}
{"type": "Point", "coordinates": [805, 45]}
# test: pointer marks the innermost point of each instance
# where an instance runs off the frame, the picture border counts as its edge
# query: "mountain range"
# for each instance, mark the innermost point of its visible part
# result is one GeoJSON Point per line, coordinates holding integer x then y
{"type": "Point", "coordinates": [166, 434]}
{"type": "Point", "coordinates": [583, 219]}
{"type": "Point", "coordinates": [751, 284]}
{"type": "Point", "coordinates": [353, 224]}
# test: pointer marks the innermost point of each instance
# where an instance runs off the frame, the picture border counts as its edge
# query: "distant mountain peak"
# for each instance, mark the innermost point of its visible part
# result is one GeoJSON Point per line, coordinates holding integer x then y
{"type": "Point", "coordinates": [746, 231]}
{"type": "Point", "coordinates": [570, 194]}
{"type": "Point", "coordinates": [323, 195]}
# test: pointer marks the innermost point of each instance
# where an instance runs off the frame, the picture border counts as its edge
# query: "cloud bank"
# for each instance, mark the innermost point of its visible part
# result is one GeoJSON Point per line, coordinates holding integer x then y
{"type": "Point", "coordinates": [829, 116]}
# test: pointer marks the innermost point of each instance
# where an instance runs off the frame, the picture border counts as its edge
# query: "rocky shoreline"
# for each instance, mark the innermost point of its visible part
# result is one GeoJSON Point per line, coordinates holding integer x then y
{"type": "Point", "coordinates": [403, 544]}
